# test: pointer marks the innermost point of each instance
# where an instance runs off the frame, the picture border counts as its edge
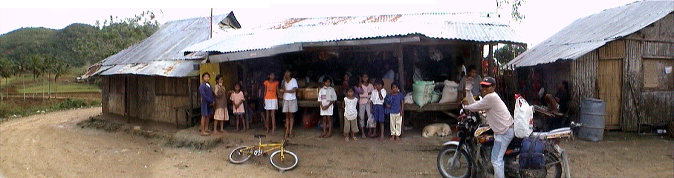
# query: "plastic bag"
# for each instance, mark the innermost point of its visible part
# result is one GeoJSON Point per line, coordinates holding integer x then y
{"type": "Point", "coordinates": [524, 114]}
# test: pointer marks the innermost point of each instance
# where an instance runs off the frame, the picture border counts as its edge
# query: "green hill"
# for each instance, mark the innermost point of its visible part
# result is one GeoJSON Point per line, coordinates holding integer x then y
{"type": "Point", "coordinates": [77, 44]}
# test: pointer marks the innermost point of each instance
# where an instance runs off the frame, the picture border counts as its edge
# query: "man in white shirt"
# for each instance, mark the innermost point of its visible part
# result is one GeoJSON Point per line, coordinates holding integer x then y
{"type": "Point", "coordinates": [499, 119]}
{"type": "Point", "coordinates": [289, 102]}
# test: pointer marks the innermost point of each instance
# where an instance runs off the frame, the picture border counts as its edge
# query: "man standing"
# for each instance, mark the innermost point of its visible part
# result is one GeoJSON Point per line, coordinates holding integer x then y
{"type": "Point", "coordinates": [499, 119]}
{"type": "Point", "coordinates": [207, 100]}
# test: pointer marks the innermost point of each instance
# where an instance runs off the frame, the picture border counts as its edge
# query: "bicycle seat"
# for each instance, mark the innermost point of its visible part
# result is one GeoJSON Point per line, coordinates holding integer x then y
{"type": "Point", "coordinates": [260, 136]}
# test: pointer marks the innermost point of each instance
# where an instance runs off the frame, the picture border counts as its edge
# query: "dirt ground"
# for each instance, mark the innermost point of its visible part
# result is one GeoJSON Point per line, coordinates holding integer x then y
{"type": "Point", "coordinates": [53, 145]}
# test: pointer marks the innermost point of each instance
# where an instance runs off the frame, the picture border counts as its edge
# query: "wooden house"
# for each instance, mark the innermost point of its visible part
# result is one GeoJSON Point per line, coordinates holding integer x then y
{"type": "Point", "coordinates": [154, 80]}
{"type": "Point", "coordinates": [623, 56]}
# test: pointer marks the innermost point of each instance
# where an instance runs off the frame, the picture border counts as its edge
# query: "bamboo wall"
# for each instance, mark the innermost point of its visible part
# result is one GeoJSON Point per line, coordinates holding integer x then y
{"type": "Point", "coordinates": [150, 98]}
{"type": "Point", "coordinates": [645, 105]}
{"type": "Point", "coordinates": [583, 80]}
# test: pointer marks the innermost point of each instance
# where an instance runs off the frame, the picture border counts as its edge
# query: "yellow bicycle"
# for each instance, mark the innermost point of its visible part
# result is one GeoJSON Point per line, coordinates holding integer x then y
{"type": "Point", "coordinates": [282, 159]}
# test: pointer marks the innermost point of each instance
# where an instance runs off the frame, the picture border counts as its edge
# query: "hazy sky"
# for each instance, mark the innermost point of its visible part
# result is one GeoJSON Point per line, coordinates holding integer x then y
{"type": "Point", "coordinates": [543, 17]}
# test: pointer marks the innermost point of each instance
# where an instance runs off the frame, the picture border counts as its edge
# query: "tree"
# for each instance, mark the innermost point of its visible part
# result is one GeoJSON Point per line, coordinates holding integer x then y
{"type": "Point", "coordinates": [36, 65]}
{"type": "Point", "coordinates": [514, 8]}
{"type": "Point", "coordinates": [507, 53]}
{"type": "Point", "coordinates": [58, 69]}
{"type": "Point", "coordinates": [7, 69]}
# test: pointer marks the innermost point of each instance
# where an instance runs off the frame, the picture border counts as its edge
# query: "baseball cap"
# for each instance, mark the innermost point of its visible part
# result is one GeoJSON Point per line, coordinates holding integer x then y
{"type": "Point", "coordinates": [488, 81]}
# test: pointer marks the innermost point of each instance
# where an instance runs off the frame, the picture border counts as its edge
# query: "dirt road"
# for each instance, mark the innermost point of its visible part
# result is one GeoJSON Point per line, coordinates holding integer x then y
{"type": "Point", "coordinates": [52, 145]}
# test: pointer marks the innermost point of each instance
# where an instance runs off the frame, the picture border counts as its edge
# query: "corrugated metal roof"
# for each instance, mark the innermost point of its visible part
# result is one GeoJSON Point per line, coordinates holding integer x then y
{"type": "Point", "coordinates": [459, 26]}
{"type": "Point", "coordinates": [174, 68]}
{"type": "Point", "coordinates": [167, 42]}
{"type": "Point", "coordinates": [592, 32]}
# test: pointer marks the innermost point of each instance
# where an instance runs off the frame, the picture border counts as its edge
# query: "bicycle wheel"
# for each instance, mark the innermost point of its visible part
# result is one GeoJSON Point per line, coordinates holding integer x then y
{"type": "Point", "coordinates": [239, 155]}
{"type": "Point", "coordinates": [283, 162]}
{"type": "Point", "coordinates": [454, 168]}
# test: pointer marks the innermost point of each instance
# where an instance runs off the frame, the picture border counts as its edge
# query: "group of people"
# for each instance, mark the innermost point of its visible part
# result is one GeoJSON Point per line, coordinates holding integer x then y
{"type": "Point", "coordinates": [214, 103]}
{"type": "Point", "coordinates": [366, 106]}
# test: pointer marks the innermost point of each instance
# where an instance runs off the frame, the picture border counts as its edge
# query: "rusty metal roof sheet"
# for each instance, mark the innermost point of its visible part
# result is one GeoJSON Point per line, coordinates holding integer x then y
{"type": "Point", "coordinates": [167, 42]}
{"type": "Point", "coordinates": [591, 32]}
{"type": "Point", "coordinates": [172, 68]}
{"type": "Point", "coordinates": [478, 27]}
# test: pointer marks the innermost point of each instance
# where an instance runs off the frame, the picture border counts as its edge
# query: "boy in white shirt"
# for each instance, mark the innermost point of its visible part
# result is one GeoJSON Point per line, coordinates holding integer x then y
{"type": "Point", "coordinates": [377, 98]}
{"type": "Point", "coordinates": [327, 98]}
{"type": "Point", "coordinates": [350, 115]}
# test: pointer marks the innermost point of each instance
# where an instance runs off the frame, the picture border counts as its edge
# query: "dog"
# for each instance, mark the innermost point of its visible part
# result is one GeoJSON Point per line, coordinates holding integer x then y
{"type": "Point", "coordinates": [437, 129]}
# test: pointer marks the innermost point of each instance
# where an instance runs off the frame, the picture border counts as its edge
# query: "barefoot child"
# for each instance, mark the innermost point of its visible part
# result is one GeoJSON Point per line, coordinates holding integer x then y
{"type": "Point", "coordinates": [377, 98]}
{"type": "Point", "coordinates": [327, 98]}
{"type": "Point", "coordinates": [350, 114]}
{"type": "Point", "coordinates": [394, 104]}
{"type": "Point", "coordinates": [237, 107]}
{"type": "Point", "coordinates": [270, 103]}
{"type": "Point", "coordinates": [221, 114]}
{"type": "Point", "coordinates": [364, 89]}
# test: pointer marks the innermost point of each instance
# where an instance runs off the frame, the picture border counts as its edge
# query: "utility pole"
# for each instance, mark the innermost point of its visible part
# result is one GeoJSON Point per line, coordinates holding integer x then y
{"type": "Point", "coordinates": [210, 25]}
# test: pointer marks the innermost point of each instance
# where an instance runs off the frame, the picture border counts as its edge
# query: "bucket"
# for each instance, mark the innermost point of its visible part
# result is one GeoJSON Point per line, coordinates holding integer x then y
{"type": "Point", "coordinates": [592, 112]}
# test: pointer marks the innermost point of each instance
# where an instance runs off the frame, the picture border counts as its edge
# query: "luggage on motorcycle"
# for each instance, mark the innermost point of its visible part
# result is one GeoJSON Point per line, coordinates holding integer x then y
{"type": "Point", "coordinates": [523, 115]}
{"type": "Point", "coordinates": [531, 153]}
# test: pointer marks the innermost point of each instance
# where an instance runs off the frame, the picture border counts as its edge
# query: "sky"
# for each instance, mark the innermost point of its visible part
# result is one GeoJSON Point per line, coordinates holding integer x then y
{"type": "Point", "coordinates": [543, 17]}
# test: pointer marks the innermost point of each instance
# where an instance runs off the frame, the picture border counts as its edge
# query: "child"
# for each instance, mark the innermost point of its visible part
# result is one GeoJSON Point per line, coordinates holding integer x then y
{"type": "Point", "coordinates": [327, 98]}
{"type": "Point", "coordinates": [289, 91]}
{"type": "Point", "coordinates": [395, 106]}
{"type": "Point", "coordinates": [350, 114]}
{"type": "Point", "coordinates": [377, 99]}
{"type": "Point", "coordinates": [364, 89]}
{"type": "Point", "coordinates": [237, 107]}
{"type": "Point", "coordinates": [270, 103]}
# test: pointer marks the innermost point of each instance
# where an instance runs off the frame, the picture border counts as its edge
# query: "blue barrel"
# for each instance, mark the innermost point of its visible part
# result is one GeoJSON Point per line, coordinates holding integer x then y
{"type": "Point", "coordinates": [592, 112]}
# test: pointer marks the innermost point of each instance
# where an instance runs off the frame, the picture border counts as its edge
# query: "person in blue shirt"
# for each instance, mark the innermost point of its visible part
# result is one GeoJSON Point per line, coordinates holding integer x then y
{"type": "Point", "coordinates": [395, 107]}
{"type": "Point", "coordinates": [207, 100]}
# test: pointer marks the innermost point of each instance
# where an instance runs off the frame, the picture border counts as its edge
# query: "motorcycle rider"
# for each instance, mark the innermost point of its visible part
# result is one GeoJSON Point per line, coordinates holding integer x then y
{"type": "Point", "coordinates": [498, 118]}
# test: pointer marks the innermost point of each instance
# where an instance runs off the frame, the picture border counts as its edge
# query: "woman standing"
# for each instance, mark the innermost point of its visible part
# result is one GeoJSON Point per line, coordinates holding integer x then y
{"type": "Point", "coordinates": [206, 103]}
{"type": "Point", "coordinates": [221, 113]}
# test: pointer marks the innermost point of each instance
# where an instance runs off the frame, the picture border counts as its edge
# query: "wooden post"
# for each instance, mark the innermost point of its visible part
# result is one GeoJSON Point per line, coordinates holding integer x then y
{"type": "Point", "coordinates": [401, 69]}
{"type": "Point", "coordinates": [490, 62]}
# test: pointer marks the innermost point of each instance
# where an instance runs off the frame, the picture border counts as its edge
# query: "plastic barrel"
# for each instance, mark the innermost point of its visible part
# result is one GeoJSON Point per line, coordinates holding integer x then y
{"type": "Point", "coordinates": [592, 113]}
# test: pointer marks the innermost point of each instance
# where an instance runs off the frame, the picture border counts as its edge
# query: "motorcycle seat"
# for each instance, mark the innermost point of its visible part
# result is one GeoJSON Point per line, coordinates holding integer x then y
{"type": "Point", "coordinates": [557, 133]}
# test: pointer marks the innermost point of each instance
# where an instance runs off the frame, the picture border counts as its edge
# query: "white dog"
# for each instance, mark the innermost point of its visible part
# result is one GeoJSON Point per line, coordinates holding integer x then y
{"type": "Point", "coordinates": [437, 129]}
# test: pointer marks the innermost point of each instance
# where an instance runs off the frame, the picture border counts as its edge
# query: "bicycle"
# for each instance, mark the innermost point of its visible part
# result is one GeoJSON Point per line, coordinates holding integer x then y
{"type": "Point", "coordinates": [281, 159]}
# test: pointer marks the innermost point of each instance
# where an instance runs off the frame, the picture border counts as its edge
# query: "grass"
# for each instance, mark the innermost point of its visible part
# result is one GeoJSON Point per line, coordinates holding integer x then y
{"type": "Point", "coordinates": [13, 108]}
{"type": "Point", "coordinates": [61, 88]}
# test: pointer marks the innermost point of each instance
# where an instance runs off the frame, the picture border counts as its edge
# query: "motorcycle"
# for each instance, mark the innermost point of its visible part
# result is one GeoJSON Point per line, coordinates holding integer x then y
{"type": "Point", "coordinates": [469, 153]}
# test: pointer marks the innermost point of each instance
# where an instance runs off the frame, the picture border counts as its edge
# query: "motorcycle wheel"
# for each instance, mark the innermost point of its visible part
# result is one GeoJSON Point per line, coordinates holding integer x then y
{"type": "Point", "coordinates": [462, 166]}
{"type": "Point", "coordinates": [552, 169]}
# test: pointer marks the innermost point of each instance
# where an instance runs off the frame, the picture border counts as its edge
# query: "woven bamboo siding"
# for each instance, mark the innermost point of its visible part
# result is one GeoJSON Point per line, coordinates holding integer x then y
{"type": "Point", "coordinates": [631, 86]}
{"type": "Point", "coordinates": [583, 80]}
{"type": "Point", "coordinates": [105, 93]}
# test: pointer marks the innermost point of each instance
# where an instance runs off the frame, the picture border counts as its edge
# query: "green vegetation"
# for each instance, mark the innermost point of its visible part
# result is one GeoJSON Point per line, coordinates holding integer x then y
{"type": "Point", "coordinates": [61, 88]}
{"type": "Point", "coordinates": [43, 51]}
{"type": "Point", "coordinates": [20, 107]}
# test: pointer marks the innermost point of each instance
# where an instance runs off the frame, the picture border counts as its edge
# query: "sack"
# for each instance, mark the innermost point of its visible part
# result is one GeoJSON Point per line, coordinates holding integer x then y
{"type": "Point", "coordinates": [422, 91]}
{"type": "Point", "coordinates": [524, 114]}
{"type": "Point", "coordinates": [531, 154]}
{"type": "Point", "coordinates": [435, 97]}
{"type": "Point", "coordinates": [408, 98]}
{"type": "Point", "coordinates": [450, 92]}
